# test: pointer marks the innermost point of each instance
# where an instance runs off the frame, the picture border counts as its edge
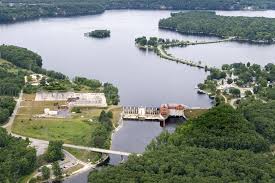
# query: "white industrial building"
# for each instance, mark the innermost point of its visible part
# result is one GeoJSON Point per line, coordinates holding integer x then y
{"type": "Point", "coordinates": [74, 99]}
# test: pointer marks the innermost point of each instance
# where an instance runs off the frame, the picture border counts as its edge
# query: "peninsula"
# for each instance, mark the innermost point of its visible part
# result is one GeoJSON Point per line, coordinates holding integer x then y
{"type": "Point", "coordinates": [246, 29]}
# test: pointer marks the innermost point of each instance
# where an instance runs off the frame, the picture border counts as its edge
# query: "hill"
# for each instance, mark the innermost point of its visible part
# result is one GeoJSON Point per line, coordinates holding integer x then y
{"type": "Point", "coordinates": [218, 146]}
{"type": "Point", "coordinates": [20, 10]}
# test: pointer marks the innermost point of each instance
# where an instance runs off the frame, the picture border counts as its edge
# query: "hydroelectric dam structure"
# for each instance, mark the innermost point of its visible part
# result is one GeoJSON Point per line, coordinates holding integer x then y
{"type": "Point", "coordinates": [161, 113]}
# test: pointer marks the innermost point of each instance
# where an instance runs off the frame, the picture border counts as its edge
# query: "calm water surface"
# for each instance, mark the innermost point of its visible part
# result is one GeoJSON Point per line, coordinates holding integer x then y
{"type": "Point", "coordinates": [230, 52]}
{"type": "Point", "coordinates": [142, 77]}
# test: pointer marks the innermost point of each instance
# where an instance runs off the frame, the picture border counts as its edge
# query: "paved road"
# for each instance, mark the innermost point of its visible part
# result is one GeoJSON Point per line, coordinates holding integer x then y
{"type": "Point", "coordinates": [11, 120]}
{"type": "Point", "coordinates": [41, 145]}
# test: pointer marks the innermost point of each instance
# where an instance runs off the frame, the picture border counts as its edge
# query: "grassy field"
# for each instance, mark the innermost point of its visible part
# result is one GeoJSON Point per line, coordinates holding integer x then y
{"type": "Point", "coordinates": [85, 156]}
{"type": "Point", "coordinates": [76, 129]}
{"type": "Point", "coordinates": [10, 67]}
{"type": "Point", "coordinates": [72, 131]}
{"type": "Point", "coordinates": [69, 171]}
{"type": "Point", "coordinates": [116, 110]}
{"type": "Point", "coordinates": [194, 113]}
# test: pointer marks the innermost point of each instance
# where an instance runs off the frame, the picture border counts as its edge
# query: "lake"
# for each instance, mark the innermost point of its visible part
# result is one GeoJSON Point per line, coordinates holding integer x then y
{"type": "Point", "coordinates": [143, 78]}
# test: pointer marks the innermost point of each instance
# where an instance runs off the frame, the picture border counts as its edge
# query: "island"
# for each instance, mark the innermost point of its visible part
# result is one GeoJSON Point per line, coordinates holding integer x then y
{"type": "Point", "coordinates": [247, 29]}
{"type": "Point", "coordinates": [99, 33]}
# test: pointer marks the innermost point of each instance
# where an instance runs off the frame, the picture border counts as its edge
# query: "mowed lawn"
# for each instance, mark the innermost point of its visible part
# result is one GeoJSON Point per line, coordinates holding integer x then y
{"type": "Point", "coordinates": [72, 131]}
{"type": "Point", "coordinates": [76, 129]}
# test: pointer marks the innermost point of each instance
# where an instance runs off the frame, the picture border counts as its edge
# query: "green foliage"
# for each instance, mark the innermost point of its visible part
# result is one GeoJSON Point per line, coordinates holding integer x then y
{"type": "Point", "coordinates": [21, 57]}
{"type": "Point", "coordinates": [100, 33]}
{"type": "Point", "coordinates": [29, 89]}
{"type": "Point", "coordinates": [235, 92]}
{"type": "Point", "coordinates": [45, 173]}
{"type": "Point", "coordinates": [57, 171]}
{"type": "Point", "coordinates": [92, 83]}
{"type": "Point", "coordinates": [141, 41]}
{"type": "Point", "coordinates": [101, 136]}
{"type": "Point", "coordinates": [219, 99]}
{"type": "Point", "coordinates": [221, 128]}
{"type": "Point", "coordinates": [229, 81]}
{"type": "Point", "coordinates": [54, 151]}
{"type": "Point", "coordinates": [58, 85]}
{"type": "Point", "coordinates": [215, 147]}
{"type": "Point", "coordinates": [10, 82]}
{"type": "Point", "coordinates": [209, 86]}
{"type": "Point", "coordinates": [248, 93]}
{"type": "Point", "coordinates": [26, 59]}
{"type": "Point", "coordinates": [30, 9]}
{"type": "Point", "coordinates": [252, 29]}
{"type": "Point", "coordinates": [111, 94]}
{"type": "Point", "coordinates": [216, 74]}
{"type": "Point", "coordinates": [262, 116]}
{"type": "Point", "coordinates": [106, 119]}
{"type": "Point", "coordinates": [189, 164]}
{"type": "Point", "coordinates": [76, 109]}
{"type": "Point", "coordinates": [152, 41]}
{"type": "Point", "coordinates": [7, 105]}
{"type": "Point", "coordinates": [4, 115]}
{"type": "Point", "coordinates": [16, 158]}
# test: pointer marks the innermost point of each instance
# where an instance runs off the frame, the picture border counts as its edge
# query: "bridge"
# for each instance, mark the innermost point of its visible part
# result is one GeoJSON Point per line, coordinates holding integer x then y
{"type": "Point", "coordinates": [154, 113]}
{"type": "Point", "coordinates": [104, 151]}
{"type": "Point", "coordinates": [41, 146]}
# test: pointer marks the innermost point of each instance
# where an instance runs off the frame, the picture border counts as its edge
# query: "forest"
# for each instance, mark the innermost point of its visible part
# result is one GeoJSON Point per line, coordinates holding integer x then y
{"type": "Point", "coordinates": [7, 105]}
{"type": "Point", "coordinates": [19, 10]}
{"type": "Point", "coordinates": [16, 158]}
{"type": "Point", "coordinates": [27, 59]}
{"type": "Point", "coordinates": [250, 29]}
{"type": "Point", "coordinates": [222, 145]}
{"type": "Point", "coordinates": [101, 137]}
{"type": "Point", "coordinates": [262, 116]}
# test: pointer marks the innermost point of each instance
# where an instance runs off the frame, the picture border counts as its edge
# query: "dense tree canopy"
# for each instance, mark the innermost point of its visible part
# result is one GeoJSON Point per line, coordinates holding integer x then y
{"type": "Point", "coordinates": [252, 29]}
{"type": "Point", "coordinates": [54, 151]}
{"type": "Point", "coordinates": [92, 83]}
{"type": "Point", "coordinates": [7, 105]}
{"type": "Point", "coordinates": [262, 116]}
{"type": "Point", "coordinates": [26, 59]}
{"type": "Point", "coordinates": [16, 158]}
{"type": "Point", "coordinates": [111, 94]}
{"type": "Point", "coordinates": [21, 57]}
{"type": "Point", "coordinates": [221, 128]}
{"type": "Point", "coordinates": [101, 135]}
{"type": "Point", "coordinates": [30, 9]}
{"type": "Point", "coordinates": [190, 165]}
{"type": "Point", "coordinates": [215, 147]}
{"type": "Point", "coordinates": [100, 33]}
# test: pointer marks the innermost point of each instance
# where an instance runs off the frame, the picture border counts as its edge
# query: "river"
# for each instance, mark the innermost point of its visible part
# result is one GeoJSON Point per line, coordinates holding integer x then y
{"type": "Point", "coordinates": [143, 78]}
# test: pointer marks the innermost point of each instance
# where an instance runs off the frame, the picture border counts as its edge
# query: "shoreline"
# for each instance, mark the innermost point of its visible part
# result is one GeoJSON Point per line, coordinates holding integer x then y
{"type": "Point", "coordinates": [202, 34]}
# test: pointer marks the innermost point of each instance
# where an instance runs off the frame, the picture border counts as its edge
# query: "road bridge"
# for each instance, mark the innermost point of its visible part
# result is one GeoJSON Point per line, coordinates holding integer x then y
{"type": "Point", "coordinates": [104, 151]}
{"type": "Point", "coordinates": [41, 146]}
